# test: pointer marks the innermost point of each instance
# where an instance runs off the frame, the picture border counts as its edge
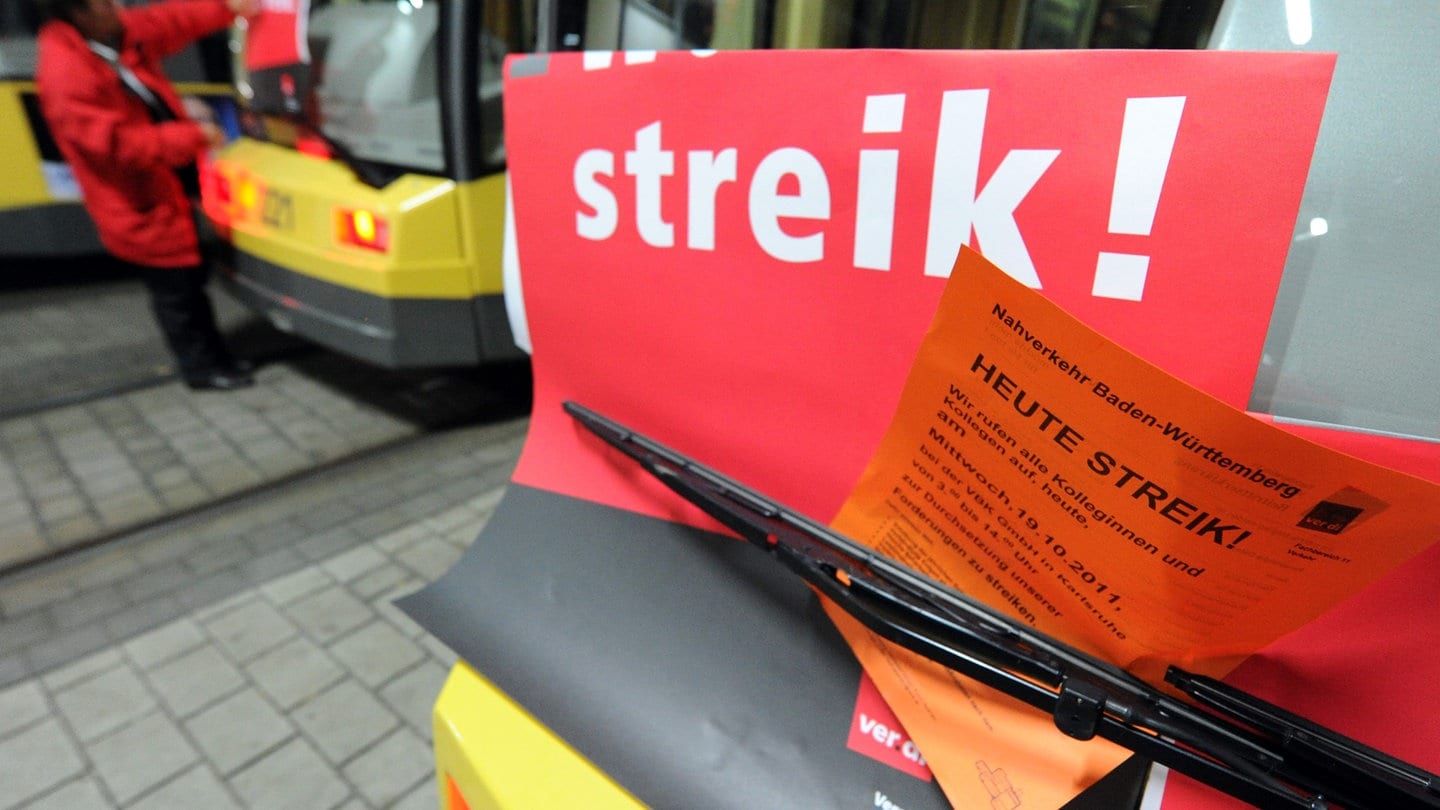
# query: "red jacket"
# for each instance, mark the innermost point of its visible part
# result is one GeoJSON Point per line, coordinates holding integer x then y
{"type": "Point", "coordinates": [121, 159]}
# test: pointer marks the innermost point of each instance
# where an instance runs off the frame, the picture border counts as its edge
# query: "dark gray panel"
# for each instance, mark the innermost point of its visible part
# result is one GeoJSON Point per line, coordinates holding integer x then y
{"type": "Point", "coordinates": [51, 230]}
{"type": "Point", "coordinates": [492, 325]}
{"type": "Point", "coordinates": [690, 667]}
{"type": "Point", "coordinates": [390, 332]}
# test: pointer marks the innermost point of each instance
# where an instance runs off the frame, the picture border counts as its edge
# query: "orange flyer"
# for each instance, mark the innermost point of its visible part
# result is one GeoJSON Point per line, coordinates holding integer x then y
{"type": "Point", "coordinates": [1039, 467]}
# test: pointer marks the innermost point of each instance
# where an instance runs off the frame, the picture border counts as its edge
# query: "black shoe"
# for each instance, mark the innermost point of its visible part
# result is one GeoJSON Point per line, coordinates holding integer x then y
{"type": "Point", "coordinates": [220, 380]}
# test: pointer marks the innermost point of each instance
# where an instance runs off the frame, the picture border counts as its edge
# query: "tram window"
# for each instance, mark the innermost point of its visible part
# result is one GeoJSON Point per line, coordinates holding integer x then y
{"type": "Point", "coordinates": [648, 26]}
{"type": "Point", "coordinates": [376, 75]}
{"type": "Point", "coordinates": [1059, 23]}
{"type": "Point", "coordinates": [492, 102]}
{"type": "Point", "coordinates": [503, 30]}
{"type": "Point", "coordinates": [17, 42]}
{"type": "Point", "coordinates": [667, 24]}
{"type": "Point", "coordinates": [736, 24]}
{"type": "Point", "coordinates": [1118, 23]}
{"type": "Point", "coordinates": [671, 24]}
{"type": "Point", "coordinates": [18, 19]}
{"type": "Point", "coordinates": [1125, 24]}
{"type": "Point", "coordinates": [1352, 338]}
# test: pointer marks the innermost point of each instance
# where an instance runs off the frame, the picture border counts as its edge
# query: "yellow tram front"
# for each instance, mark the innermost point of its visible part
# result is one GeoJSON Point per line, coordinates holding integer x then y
{"type": "Point", "coordinates": [365, 198]}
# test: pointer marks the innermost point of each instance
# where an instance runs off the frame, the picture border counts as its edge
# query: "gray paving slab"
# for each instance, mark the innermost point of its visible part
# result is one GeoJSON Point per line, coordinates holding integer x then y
{"type": "Point", "coordinates": [295, 672]}
{"type": "Point", "coordinates": [390, 768]}
{"type": "Point", "coordinates": [303, 687]}
{"type": "Point", "coordinates": [195, 680]}
{"type": "Point", "coordinates": [141, 756]}
{"type": "Point", "coordinates": [238, 730]}
{"type": "Point", "coordinates": [104, 703]}
{"type": "Point", "coordinates": [36, 760]}
{"type": "Point", "coordinates": [21, 705]}
{"type": "Point", "coordinates": [197, 787]}
{"type": "Point", "coordinates": [293, 775]}
{"type": "Point", "coordinates": [79, 794]}
{"type": "Point", "coordinates": [344, 720]}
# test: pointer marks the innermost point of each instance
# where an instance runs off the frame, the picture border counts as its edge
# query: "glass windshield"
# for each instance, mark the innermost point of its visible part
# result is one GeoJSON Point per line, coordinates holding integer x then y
{"type": "Point", "coordinates": [17, 40]}
{"type": "Point", "coordinates": [376, 80]}
{"type": "Point", "coordinates": [502, 32]}
{"type": "Point", "coordinates": [668, 24]}
{"type": "Point", "coordinates": [1352, 340]}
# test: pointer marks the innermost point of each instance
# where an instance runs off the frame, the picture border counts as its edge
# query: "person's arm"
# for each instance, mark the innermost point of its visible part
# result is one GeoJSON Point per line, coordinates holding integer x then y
{"type": "Point", "coordinates": [83, 116]}
{"type": "Point", "coordinates": [167, 28]}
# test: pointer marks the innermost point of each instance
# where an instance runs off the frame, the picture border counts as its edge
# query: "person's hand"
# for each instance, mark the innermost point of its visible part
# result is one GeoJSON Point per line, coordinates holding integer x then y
{"type": "Point", "coordinates": [214, 136]}
{"type": "Point", "coordinates": [197, 110]}
{"type": "Point", "coordinates": [244, 8]}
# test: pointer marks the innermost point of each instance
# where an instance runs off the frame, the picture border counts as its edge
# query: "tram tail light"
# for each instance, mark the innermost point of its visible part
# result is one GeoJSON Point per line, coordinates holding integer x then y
{"type": "Point", "coordinates": [248, 193]}
{"type": "Point", "coordinates": [215, 194]}
{"type": "Point", "coordinates": [223, 193]}
{"type": "Point", "coordinates": [232, 195]}
{"type": "Point", "coordinates": [310, 145]}
{"type": "Point", "coordinates": [361, 228]}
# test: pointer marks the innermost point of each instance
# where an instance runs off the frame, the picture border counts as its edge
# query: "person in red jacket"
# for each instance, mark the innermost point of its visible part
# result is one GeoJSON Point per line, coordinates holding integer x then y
{"type": "Point", "coordinates": [124, 132]}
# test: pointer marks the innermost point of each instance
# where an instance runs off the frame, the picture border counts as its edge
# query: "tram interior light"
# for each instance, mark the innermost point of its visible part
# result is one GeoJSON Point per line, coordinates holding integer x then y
{"type": "Point", "coordinates": [1298, 22]}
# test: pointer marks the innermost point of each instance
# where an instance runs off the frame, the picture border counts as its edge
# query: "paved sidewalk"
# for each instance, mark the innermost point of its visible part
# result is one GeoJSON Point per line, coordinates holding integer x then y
{"type": "Point", "coordinates": [72, 475]}
{"type": "Point", "coordinates": [75, 471]}
{"type": "Point", "coordinates": [248, 655]}
{"type": "Point", "coordinates": [66, 341]}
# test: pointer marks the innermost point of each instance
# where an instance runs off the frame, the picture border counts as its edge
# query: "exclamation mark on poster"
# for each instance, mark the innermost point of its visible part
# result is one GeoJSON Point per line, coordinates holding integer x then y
{"type": "Point", "coordinates": [1146, 140]}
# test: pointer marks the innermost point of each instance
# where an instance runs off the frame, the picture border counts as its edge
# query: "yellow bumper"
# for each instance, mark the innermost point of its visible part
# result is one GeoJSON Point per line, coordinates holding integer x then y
{"type": "Point", "coordinates": [490, 753]}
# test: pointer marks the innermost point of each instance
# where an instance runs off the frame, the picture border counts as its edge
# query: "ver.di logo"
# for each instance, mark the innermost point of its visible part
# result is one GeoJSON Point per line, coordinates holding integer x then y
{"type": "Point", "coordinates": [1338, 512]}
{"type": "Point", "coordinates": [1329, 517]}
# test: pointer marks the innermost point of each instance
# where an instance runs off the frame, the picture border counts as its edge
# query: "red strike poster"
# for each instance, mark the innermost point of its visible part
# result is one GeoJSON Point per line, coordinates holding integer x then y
{"type": "Point", "coordinates": [276, 36]}
{"type": "Point", "coordinates": [738, 253]}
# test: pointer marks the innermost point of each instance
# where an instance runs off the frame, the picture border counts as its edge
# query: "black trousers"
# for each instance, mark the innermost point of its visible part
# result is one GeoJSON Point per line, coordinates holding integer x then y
{"type": "Point", "coordinates": [186, 319]}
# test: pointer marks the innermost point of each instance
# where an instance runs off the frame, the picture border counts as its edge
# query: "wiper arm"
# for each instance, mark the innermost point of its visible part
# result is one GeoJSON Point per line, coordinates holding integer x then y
{"type": "Point", "coordinates": [1351, 766]}
{"type": "Point", "coordinates": [1238, 744]}
{"type": "Point", "coordinates": [364, 170]}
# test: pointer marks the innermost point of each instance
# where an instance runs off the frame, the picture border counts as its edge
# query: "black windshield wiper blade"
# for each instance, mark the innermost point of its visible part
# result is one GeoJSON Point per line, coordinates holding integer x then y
{"type": "Point", "coordinates": [1238, 744]}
